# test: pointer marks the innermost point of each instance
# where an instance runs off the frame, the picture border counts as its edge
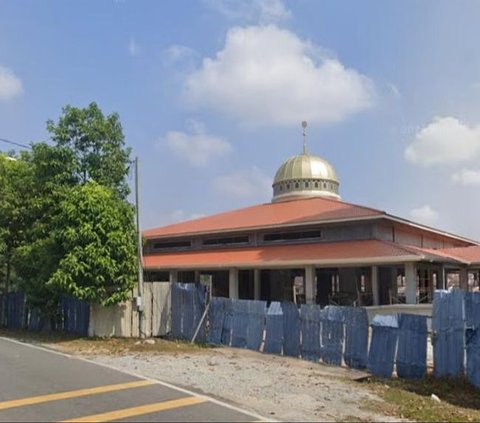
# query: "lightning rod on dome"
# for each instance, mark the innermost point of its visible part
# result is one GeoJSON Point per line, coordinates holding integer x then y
{"type": "Point", "coordinates": [304, 126]}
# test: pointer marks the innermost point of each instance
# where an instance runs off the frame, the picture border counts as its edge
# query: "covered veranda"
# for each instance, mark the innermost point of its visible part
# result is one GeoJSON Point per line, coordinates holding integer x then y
{"type": "Point", "coordinates": [362, 273]}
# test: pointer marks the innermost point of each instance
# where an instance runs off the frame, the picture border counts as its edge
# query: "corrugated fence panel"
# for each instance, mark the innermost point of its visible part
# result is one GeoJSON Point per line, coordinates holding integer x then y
{"type": "Point", "coordinates": [332, 335]}
{"type": "Point", "coordinates": [188, 305]}
{"type": "Point", "coordinates": [256, 324]}
{"type": "Point", "coordinates": [215, 319]}
{"type": "Point", "coordinates": [75, 316]}
{"type": "Point", "coordinates": [448, 333]}
{"type": "Point", "coordinates": [472, 335]}
{"type": "Point", "coordinates": [15, 310]}
{"type": "Point", "coordinates": [356, 337]}
{"type": "Point", "coordinates": [383, 345]}
{"type": "Point", "coordinates": [239, 323]}
{"type": "Point", "coordinates": [2, 308]}
{"type": "Point", "coordinates": [411, 360]}
{"type": "Point", "coordinates": [274, 330]}
{"type": "Point", "coordinates": [36, 321]}
{"type": "Point", "coordinates": [199, 304]}
{"type": "Point", "coordinates": [310, 326]}
{"type": "Point", "coordinates": [176, 311]}
{"type": "Point", "coordinates": [291, 329]}
{"type": "Point", "coordinates": [188, 311]}
{"type": "Point", "coordinates": [227, 322]}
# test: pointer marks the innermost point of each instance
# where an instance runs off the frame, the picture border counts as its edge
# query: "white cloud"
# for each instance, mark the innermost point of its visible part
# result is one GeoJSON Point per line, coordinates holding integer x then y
{"type": "Point", "coordinates": [10, 84]}
{"type": "Point", "coordinates": [445, 140]}
{"type": "Point", "coordinates": [133, 48]}
{"type": "Point", "coordinates": [425, 214]}
{"type": "Point", "coordinates": [467, 177]}
{"type": "Point", "coordinates": [253, 184]}
{"type": "Point", "coordinates": [197, 147]}
{"type": "Point", "coordinates": [256, 11]}
{"type": "Point", "coordinates": [266, 75]}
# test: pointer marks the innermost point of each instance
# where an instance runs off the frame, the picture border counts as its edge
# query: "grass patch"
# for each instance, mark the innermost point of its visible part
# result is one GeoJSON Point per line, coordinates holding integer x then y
{"type": "Point", "coordinates": [104, 346]}
{"type": "Point", "coordinates": [411, 399]}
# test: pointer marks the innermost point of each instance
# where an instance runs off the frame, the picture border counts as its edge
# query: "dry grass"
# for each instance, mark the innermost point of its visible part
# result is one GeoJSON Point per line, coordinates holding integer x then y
{"type": "Point", "coordinates": [411, 399]}
{"type": "Point", "coordinates": [104, 346]}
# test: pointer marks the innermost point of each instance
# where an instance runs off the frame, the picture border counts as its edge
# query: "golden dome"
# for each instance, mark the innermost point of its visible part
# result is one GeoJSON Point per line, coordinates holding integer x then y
{"type": "Point", "coordinates": [305, 175]}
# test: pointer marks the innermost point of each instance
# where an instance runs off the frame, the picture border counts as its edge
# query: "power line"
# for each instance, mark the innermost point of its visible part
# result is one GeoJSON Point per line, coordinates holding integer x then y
{"type": "Point", "coordinates": [16, 143]}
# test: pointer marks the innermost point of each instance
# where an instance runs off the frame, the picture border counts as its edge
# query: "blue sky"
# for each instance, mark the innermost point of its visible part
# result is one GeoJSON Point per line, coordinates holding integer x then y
{"type": "Point", "coordinates": [211, 94]}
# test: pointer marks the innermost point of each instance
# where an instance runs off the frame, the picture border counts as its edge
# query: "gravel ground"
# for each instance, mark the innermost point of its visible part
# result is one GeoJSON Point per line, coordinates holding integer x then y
{"type": "Point", "coordinates": [275, 387]}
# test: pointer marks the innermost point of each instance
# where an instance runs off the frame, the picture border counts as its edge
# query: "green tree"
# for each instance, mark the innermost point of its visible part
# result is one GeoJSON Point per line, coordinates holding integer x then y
{"type": "Point", "coordinates": [97, 144]}
{"type": "Point", "coordinates": [15, 177]}
{"type": "Point", "coordinates": [78, 230]}
{"type": "Point", "coordinates": [95, 230]}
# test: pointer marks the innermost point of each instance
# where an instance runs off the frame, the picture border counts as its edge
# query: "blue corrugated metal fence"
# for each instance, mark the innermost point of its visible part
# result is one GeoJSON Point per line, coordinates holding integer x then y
{"type": "Point", "coordinates": [472, 336]}
{"type": "Point", "coordinates": [73, 315]}
{"type": "Point", "coordinates": [411, 360]}
{"type": "Point", "coordinates": [383, 345]}
{"type": "Point", "coordinates": [448, 326]}
{"type": "Point", "coordinates": [340, 335]}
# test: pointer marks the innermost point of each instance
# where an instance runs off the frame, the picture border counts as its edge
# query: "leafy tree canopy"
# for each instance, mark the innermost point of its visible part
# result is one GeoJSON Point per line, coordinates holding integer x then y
{"type": "Point", "coordinates": [95, 230]}
{"type": "Point", "coordinates": [97, 143]}
{"type": "Point", "coordinates": [65, 224]}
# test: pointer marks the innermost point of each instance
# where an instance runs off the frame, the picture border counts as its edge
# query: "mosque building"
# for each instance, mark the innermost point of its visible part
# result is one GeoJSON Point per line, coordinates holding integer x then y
{"type": "Point", "coordinates": [309, 246]}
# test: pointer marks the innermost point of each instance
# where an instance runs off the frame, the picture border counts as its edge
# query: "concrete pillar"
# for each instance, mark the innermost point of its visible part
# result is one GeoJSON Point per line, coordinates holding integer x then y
{"type": "Point", "coordinates": [464, 278]}
{"type": "Point", "coordinates": [431, 290]}
{"type": "Point", "coordinates": [393, 286]}
{"type": "Point", "coordinates": [410, 283]}
{"type": "Point", "coordinates": [173, 276]}
{"type": "Point", "coordinates": [310, 284]}
{"type": "Point", "coordinates": [375, 287]}
{"type": "Point", "coordinates": [233, 291]}
{"type": "Point", "coordinates": [256, 284]}
{"type": "Point", "coordinates": [441, 278]}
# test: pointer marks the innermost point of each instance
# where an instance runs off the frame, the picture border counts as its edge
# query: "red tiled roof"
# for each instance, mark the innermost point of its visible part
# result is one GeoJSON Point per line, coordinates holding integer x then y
{"type": "Point", "coordinates": [468, 255]}
{"type": "Point", "coordinates": [361, 252]}
{"type": "Point", "coordinates": [299, 211]}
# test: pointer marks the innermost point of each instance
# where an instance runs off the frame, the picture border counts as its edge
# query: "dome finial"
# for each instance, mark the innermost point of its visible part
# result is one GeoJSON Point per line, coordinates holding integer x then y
{"type": "Point", "coordinates": [304, 126]}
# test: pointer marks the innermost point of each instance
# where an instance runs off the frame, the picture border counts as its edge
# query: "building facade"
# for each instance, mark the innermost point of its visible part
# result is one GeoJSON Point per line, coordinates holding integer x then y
{"type": "Point", "coordinates": [309, 246]}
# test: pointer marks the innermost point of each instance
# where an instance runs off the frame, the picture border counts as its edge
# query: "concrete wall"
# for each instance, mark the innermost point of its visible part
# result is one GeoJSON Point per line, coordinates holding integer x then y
{"type": "Point", "coordinates": [123, 320]}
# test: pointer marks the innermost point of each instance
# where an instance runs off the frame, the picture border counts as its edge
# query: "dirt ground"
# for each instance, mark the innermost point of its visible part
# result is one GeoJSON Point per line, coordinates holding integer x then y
{"type": "Point", "coordinates": [275, 387]}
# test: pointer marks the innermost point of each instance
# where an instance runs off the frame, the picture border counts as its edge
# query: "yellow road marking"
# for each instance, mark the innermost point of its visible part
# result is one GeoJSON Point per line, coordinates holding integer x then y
{"type": "Point", "coordinates": [138, 411]}
{"type": "Point", "coordinates": [73, 394]}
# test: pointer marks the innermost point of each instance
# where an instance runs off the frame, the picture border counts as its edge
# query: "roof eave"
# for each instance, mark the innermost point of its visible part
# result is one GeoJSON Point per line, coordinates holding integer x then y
{"type": "Point", "coordinates": [289, 263]}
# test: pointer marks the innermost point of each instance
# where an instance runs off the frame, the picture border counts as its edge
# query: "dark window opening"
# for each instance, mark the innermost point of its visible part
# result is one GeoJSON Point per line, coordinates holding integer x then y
{"type": "Point", "coordinates": [171, 244]}
{"type": "Point", "coordinates": [226, 241]}
{"type": "Point", "coordinates": [156, 276]}
{"type": "Point", "coordinates": [292, 236]}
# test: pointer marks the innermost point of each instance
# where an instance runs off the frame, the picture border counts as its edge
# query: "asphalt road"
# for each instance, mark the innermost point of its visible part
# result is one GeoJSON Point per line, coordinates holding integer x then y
{"type": "Point", "coordinates": [41, 385]}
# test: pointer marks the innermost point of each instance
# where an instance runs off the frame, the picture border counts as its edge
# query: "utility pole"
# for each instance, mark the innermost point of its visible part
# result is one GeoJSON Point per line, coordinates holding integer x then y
{"type": "Point", "coordinates": [140, 305]}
